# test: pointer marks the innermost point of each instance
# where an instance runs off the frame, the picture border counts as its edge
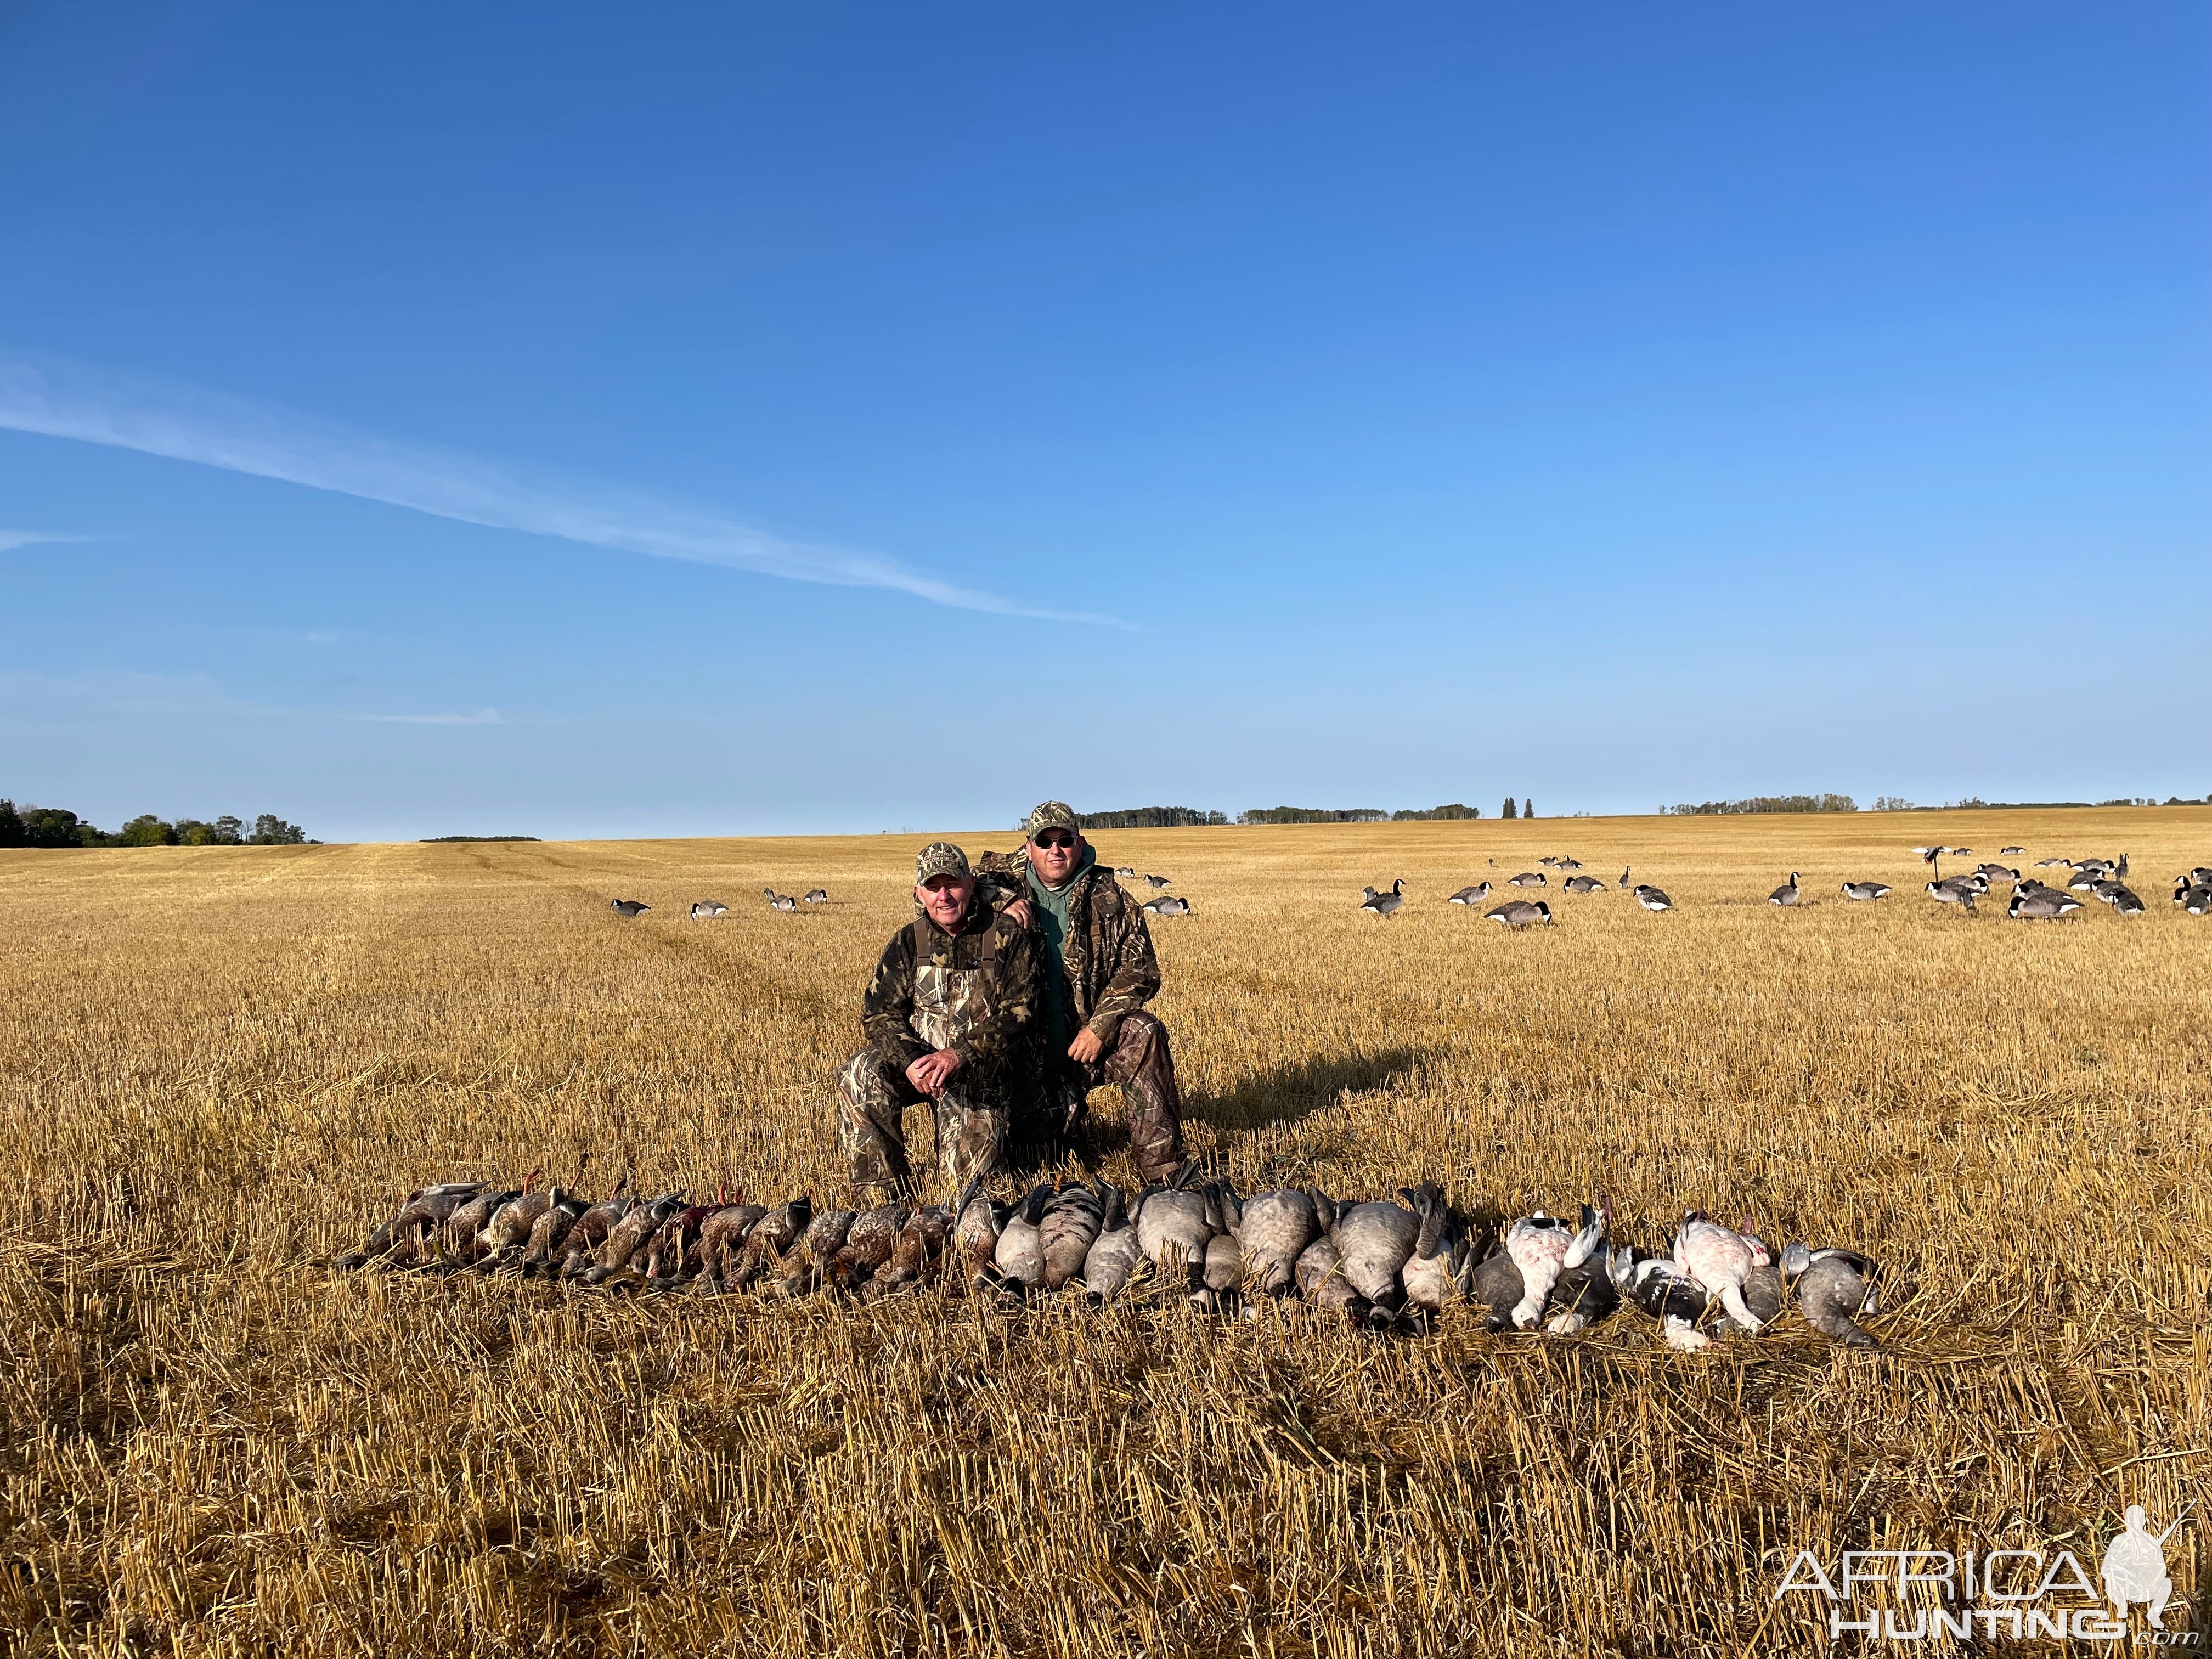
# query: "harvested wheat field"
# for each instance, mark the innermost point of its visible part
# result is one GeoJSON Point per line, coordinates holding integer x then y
{"type": "Point", "coordinates": [218, 1066]}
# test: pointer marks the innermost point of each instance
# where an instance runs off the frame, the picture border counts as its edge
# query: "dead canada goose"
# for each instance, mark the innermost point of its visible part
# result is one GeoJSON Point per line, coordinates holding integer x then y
{"type": "Point", "coordinates": [1786, 893]}
{"type": "Point", "coordinates": [1070, 1225]}
{"type": "Point", "coordinates": [1429, 1275]}
{"type": "Point", "coordinates": [1473, 895]}
{"type": "Point", "coordinates": [1719, 1258]}
{"type": "Point", "coordinates": [978, 1217]}
{"type": "Point", "coordinates": [1865, 891]}
{"type": "Point", "coordinates": [1019, 1258]}
{"type": "Point", "coordinates": [1158, 882]}
{"type": "Point", "coordinates": [1273, 1230]}
{"type": "Point", "coordinates": [1652, 899]}
{"type": "Point", "coordinates": [1114, 1255]}
{"type": "Point", "coordinates": [630, 909]}
{"type": "Point", "coordinates": [1166, 907]}
{"type": "Point", "coordinates": [1528, 879]}
{"type": "Point", "coordinates": [707, 909]}
{"type": "Point", "coordinates": [1375, 1240]}
{"type": "Point", "coordinates": [1322, 1281]}
{"type": "Point", "coordinates": [1831, 1285]}
{"type": "Point", "coordinates": [1583, 884]}
{"type": "Point", "coordinates": [1175, 1224]}
{"type": "Point", "coordinates": [1385, 904]}
{"type": "Point", "coordinates": [2040, 904]}
{"type": "Point", "coordinates": [1517, 914]}
{"type": "Point", "coordinates": [818, 895]}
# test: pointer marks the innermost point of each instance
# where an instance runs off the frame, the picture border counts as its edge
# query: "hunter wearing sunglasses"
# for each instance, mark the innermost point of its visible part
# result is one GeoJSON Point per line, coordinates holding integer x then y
{"type": "Point", "coordinates": [1095, 972]}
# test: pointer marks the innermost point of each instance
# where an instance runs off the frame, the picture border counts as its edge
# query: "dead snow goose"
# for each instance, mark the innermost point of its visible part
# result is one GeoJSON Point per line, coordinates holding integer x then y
{"type": "Point", "coordinates": [1543, 1247]}
{"type": "Point", "coordinates": [1831, 1285]}
{"type": "Point", "coordinates": [1719, 1258]}
{"type": "Point", "coordinates": [1668, 1295]}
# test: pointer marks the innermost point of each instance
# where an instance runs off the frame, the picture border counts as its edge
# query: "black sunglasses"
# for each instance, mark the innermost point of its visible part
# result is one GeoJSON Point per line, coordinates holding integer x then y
{"type": "Point", "coordinates": [1055, 838]}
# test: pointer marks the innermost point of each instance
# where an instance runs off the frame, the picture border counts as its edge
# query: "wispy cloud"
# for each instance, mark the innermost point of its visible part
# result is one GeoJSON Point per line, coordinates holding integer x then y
{"type": "Point", "coordinates": [475, 717]}
{"type": "Point", "coordinates": [12, 540]}
{"type": "Point", "coordinates": [189, 423]}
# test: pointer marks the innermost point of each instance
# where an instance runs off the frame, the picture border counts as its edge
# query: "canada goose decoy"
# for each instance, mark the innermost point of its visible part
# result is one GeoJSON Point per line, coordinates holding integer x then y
{"type": "Point", "coordinates": [707, 909]}
{"type": "Point", "coordinates": [1865, 891]}
{"type": "Point", "coordinates": [1126, 872]}
{"type": "Point", "coordinates": [2008, 851]}
{"type": "Point", "coordinates": [2196, 901]}
{"type": "Point", "coordinates": [2121, 868]}
{"type": "Point", "coordinates": [1785, 894]}
{"type": "Point", "coordinates": [1528, 879]}
{"type": "Point", "coordinates": [1668, 1295]}
{"type": "Point", "coordinates": [1385, 904]}
{"type": "Point", "coordinates": [1158, 882]}
{"type": "Point", "coordinates": [2201, 876]}
{"type": "Point", "coordinates": [1566, 864]}
{"type": "Point", "coordinates": [1473, 895]}
{"type": "Point", "coordinates": [2051, 864]}
{"type": "Point", "coordinates": [1583, 884]}
{"type": "Point", "coordinates": [1997, 872]}
{"type": "Point", "coordinates": [1375, 1240]}
{"type": "Point", "coordinates": [1071, 1223]}
{"type": "Point", "coordinates": [1962, 852]}
{"type": "Point", "coordinates": [1652, 899]}
{"type": "Point", "coordinates": [782, 902]}
{"type": "Point", "coordinates": [1517, 914]}
{"type": "Point", "coordinates": [1623, 883]}
{"type": "Point", "coordinates": [1945, 892]}
{"type": "Point", "coordinates": [1166, 907]}
{"type": "Point", "coordinates": [818, 895]}
{"type": "Point", "coordinates": [1719, 1259]}
{"type": "Point", "coordinates": [630, 909]}
{"type": "Point", "coordinates": [2040, 904]}
{"type": "Point", "coordinates": [1546, 860]}
{"type": "Point", "coordinates": [1273, 1230]}
{"type": "Point", "coordinates": [1114, 1255]}
{"type": "Point", "coordinates": [1830, 1286]}
{"type": "Point", "coordinates": [2123, 901]}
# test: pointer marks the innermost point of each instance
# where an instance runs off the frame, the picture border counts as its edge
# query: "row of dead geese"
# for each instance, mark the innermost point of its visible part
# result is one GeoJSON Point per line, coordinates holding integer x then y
{"type": "Point", "coordinates": [1389, 1263]}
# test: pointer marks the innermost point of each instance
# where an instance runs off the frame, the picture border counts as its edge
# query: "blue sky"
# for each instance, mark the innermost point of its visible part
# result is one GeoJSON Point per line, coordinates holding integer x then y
{"type": "Point", "coordinates": [667, 420]}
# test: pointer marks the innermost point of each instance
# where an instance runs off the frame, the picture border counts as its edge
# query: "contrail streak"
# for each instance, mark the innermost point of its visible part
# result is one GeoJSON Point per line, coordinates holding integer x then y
{"type": "Point", "coordinates": [187, 424]}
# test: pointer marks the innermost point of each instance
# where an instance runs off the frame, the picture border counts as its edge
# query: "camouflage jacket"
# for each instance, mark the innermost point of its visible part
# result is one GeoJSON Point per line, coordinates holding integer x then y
{"type": "Point", "coordinates": [1111, 969]}
{"type": "Point", "coordinates": [973, 991]}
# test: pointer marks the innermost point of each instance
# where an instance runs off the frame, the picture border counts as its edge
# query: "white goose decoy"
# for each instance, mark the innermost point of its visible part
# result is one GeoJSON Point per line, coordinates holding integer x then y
{"type": "Point", "coordinates": [1528, 879]}
{"type": "Point", "coordinates": [1385, 904]}
{"type": "Point", "coordinates": [1517, 914]}
{"type": "Point", "coordinates": [1166, 907]}
{"type": "Point", "coordinates": [1863, 891]}
{"type": "Point", "coordinates": [1543, 1247]}
{"type": "Point", "coordinates": [705, 909]}
{"type": "Point", "coordinates": [1785, 894]}
{"type": "Point", "coordinates": [1720, 1259]}
{"type": "Point", "coordinates": [1473, 895]}
{"type": "Point", "coordinates": [1652, 899]}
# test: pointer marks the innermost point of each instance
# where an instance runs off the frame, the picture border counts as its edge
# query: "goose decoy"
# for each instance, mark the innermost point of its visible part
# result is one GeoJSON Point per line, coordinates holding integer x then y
{"type": "Point", "coordinates": [1584, 884]}
{"type": "Point", "coordinates": [1166, 907]}
{"type": "Point", "coordinates": [1831, 1285]}
{"type": "Point", "coordinates": [1962, 852]}
{"type": "Point", "coordinates": [1566, 864]}
{"type": "Point", "coordinates": [707, 909]}
{"type": "Point", "coordinates": [1623, 883]}
{"type": "Point", "coordinates": [1528, 879]}
{"type": "Point", "coordinates": [1385, 904]}
{"type": "Point", "coordinates": [782, 902]}
{"type": "Point", "coordinates": [1114, 1255]}
{"type": "Point", "coordinates": [1864, 891]}
{"type": "Point", "coordinates": [1997, 872]}
{"type": "Point", "coordinates": [1473, 895]}
{"type": "Point", "coordinates": [2008, 851]}
{"type": "Point", "coordinates": [2195, 900]}
{"type": "Point", "coordinates": [1785, 894]}
{"type": "Point", "coordinates": [1547, 861]}
{"type": "Point", "coordinates": [1273, 1230]}
{"type": "Point", "coordinates": [1374, 1241]}
{"type": "Point", "coordinates": [2040, 904]}
{"type": "Point", "coordinates": [2201, 876]}
{"type": "Point", "coordinates": [1950, 892]}
{"type": "Point", "coordinates": [2051, 864]}
{"type": "Point", "coordinates": [2121, 868]}
{"type": "Point", "coordinates": [1652, 899]}
{"type": "Point", "coordinates": [1719, 1259]}
{"type": "Point", "coordinates": [2124, 901]}
{"type": "Point", "coordinates": [1517, 914]}
{"type": "Point", "coordinates": [818, 895]}
{"type": "Point", "coordinates": [1126, 872]}
{"type": "Point", "coordinates": [1158, 882]}
{"type": "Point", "coordinates": [629, 909]}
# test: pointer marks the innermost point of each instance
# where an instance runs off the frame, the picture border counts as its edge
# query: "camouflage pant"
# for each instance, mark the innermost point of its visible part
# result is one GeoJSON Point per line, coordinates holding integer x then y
{"type": "Point", "coordinates": [1139, 1060]}
{"type": "Point", "coordinates": [969, 1119]}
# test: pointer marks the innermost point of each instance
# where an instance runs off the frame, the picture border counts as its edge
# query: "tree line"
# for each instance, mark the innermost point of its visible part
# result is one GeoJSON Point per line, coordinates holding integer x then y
{"type": "Point", "coordinates": [1766, 804]}
{"type": "Point", "coordinates": [1183, 817]}
{"type": "Point", "coordinates": [55, 826]}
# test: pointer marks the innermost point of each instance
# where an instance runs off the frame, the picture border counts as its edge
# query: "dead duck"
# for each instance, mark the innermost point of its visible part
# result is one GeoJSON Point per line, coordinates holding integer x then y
{"type": "Point", "coordinates": [1322, 1283]}
{"type": "Point", "coordinates": [548, 1234]}
{"type": "Point", "coordinates": [399, 1238]}
{"type": "Point", "coordinates": [1866, 891]}
{"type": "Point", "coordinates": [1175, 1224]}
{"type": "Point", "coordinates": [1831, 1285]}
{"type": "Point", "coordinates": [1375, 1240]}
{"type": "Point", "coordinates": [509, 1226]}
{"type": "Point", "coordinates": [1517, 914]}
{"type": "Point", "coordinates": [1541, 1249]}
{"type": "Point", "coordinates": [628, 1239]}
{"type": "Point", "coordinates": [1019, 1258]}
{"type": "Point", "coordinates": [464, 1230]}
{"type": "Point", "coordinates": [1785, 894]}
{"type": "Point", "coordinates": [591, 1229]}
{"type": "Point", "coordinates": [722, 1238]}
{"type": "Point", "coordinates": [771, 1238]}
{"type": "Point", "coordinates": [918, 1253]}
{"type": "Point", "coordinates": [1272, 1230]}
{"type": "Point", "coordinates": [1114, 1254]}
{"type": "Point", "coordinates": [1473, 895]}
{"type": "Point", "coordinates": [868, 1245]}
{"type": "Point", "coordinates": [978, 1217]}
{"type": "Point", "coordinates": [1070, 1226]}
{"type": "Point", "coordinates": [807, 1266]}
{"type": "Point", "coordinates": [1720, 1259]}
{"type": "Point", "coordinates": [1582, 885]}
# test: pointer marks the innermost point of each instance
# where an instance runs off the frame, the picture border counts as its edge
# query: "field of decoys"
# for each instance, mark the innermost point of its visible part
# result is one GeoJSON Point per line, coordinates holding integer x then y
{"type": "Point", "coordinates": [447, 1248]}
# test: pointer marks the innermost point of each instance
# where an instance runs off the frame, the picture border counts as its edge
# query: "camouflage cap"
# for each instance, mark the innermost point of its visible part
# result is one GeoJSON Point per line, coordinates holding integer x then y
{"type": "Point", "coordinates": [939, 858]}
{"type": "Point", "coordinates": [1051, 815]}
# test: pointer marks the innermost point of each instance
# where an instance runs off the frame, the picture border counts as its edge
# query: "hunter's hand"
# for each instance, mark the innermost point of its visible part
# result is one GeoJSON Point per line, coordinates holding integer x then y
{"type": "Point", "coordinates": [1019, 910]}
{"type": "Point", "coordinates": [1086, 1047]}
{"type": "Point", "coordinates": [930, 1073]}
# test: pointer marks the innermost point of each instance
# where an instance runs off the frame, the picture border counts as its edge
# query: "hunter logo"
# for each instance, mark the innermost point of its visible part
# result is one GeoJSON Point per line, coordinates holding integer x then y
{"type": "Point", "coordinates": [1919, 1596]}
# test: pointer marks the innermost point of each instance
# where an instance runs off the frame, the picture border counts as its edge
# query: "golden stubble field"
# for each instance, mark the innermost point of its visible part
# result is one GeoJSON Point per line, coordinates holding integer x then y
{"type": "Point", "coordinates": [216, 1065]}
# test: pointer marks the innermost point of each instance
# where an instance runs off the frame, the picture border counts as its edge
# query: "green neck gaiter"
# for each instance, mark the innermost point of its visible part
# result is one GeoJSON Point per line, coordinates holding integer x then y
{"type": "Point", "coordinates": [1052, 915]}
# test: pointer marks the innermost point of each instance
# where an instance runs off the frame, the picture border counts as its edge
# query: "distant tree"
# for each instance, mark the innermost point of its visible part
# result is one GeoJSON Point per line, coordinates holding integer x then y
{"type": "Point", "coordinates": [192, 832]}
{"type": "Point", "coordinates": [270, 830]}
{"type": "Point", "coordinates": [228, 831]}
{"type": "Point", "coordinates": [1146, 817]}
{"type": "Point", "coordinates": [146, 831]}
{"type": "Point", "coordinates": [52, 826]}
{"type": "Point", "coordinates": [1313, 815]}
{"type": "Point", "coordinates": [1451, 810]}
{"type": "Point", "coordinates": [11, 824]}
{"type": "Point", "coordinates": [1509, 812]}
{"type": "Point", "coordinates": [1527, 809]}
